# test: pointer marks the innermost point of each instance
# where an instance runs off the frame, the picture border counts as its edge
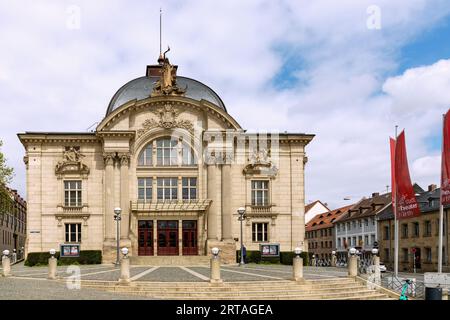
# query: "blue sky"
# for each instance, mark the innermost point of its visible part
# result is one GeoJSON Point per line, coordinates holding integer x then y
{"type": "Point", "coordinates": [290, 65]}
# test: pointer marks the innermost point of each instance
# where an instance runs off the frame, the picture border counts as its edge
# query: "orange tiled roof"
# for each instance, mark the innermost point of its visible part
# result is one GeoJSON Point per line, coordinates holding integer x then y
{"type": "Point", "coordinates": [326, 219]}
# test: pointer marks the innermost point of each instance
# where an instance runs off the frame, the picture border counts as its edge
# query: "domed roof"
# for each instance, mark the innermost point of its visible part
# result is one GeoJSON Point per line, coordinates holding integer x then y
{"type": "Point", "coordinates": [141, 88]}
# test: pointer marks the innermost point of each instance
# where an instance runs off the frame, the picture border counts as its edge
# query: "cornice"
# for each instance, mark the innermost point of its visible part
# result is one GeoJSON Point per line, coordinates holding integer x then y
{"type": "Point", "coordinates": [177, 101]}
{"type": "Point", "coordinates": [68, 137]}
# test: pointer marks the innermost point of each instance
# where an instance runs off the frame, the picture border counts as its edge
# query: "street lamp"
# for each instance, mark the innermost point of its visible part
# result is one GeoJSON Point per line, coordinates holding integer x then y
{"type": "Point", "coordinates": [52, 252]}
{"type": "Point", "coordinates": [241, 212]}
{"type": "Point", "coordinates": [6, 252]}
{"type": "Point", "coordinates": [298, 251]}
{"type": "Point", "coordinates": [352, 251]}
{"type": "Point", "coordinates": [215, 252]}
{"type": "Point", "coordinates": [125, 252]}
{"type": "Point", "coordinates": [117, 218]}
{"type": "Point", "coordinates": [374, 251]}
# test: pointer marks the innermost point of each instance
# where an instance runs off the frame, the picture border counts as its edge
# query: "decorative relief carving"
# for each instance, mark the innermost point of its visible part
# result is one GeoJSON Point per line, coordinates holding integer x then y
{"type": "Point", "coordinates": [71, 163]}
{"type": "Point", "coordinates": [108, 157]}
{"type": "Point", "coordinates": [167, 120]}
{"type": "Point", "coordinates": [124, 159]}
{"type": "Point", "coordinates": [260, 163]}
{"type": "Point", "coordinates": [26, 160]}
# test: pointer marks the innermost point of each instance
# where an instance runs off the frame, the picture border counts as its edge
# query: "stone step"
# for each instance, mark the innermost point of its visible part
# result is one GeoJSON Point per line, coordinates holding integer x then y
{"type": "Point", "coordinates": [245, 284]}
{"type": "Point", "coordinates": [214, 289]}
{"type": "Point", "coordinates": [354, 294]}
{"type": "Point", "coordinates": [170, 260]}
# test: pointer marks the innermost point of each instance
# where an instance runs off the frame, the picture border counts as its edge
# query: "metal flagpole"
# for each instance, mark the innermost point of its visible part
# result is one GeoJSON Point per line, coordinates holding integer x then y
{"type": "Point", "coordinates": [394, 206]}
{"type": "Point", "coordinates": [441, 207]}
{"type": "Point", "coordinates": [160, 31]}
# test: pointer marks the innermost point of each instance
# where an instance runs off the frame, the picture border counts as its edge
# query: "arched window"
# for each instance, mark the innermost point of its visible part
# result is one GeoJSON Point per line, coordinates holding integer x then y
{"type": "Point", "coordinates": [169, 152]}
{"type": "Point", "coordinates": [145, 158]}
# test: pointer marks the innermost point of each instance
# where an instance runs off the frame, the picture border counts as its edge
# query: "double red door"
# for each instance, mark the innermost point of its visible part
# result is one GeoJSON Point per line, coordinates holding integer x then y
{"type": "Point", "coordinates": [190, 238]}
{"type": "Point", "coordinates": [167, 237]}
{"type": "Point", "coordinates": [145, 237]}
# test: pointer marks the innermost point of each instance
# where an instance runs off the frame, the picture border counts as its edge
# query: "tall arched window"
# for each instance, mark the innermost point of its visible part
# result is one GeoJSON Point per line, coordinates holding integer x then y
{"type": "Point", "coordinates": [168, 152]}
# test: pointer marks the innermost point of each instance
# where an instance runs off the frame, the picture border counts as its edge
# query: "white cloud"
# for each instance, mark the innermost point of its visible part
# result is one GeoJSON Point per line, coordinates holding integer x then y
{"type": "Point", "coordinates": [53, 78]}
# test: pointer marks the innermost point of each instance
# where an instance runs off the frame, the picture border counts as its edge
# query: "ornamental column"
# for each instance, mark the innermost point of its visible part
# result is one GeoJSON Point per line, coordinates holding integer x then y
{"type": "Point", "coordinates": [213, 192]}
{"type": "Point", "coordinates": [226, 202]}
{"type": "Point", "coordinates": [124, 195]}
{"type": "Point", "coordinates": [109, 196]}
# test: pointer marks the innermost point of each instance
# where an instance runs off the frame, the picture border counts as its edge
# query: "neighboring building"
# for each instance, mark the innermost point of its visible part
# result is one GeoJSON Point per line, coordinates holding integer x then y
{"type": "Point", "coordinates": [179, 166]}
{"type": "Point", "coordinates": [320, 233]}
{"type": "Point", "coordinates": [313, 209]}
{"type": "Point", "coordinates": [418, 237]}
{"type": "Point", "coordinates": [357, 228]}
{"type": "Point", "coordinates": [13, 220]}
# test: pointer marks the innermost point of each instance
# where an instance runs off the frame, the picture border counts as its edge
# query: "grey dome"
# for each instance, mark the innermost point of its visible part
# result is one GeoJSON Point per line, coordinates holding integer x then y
{"type": "Point", "coordinates": [141, 88]}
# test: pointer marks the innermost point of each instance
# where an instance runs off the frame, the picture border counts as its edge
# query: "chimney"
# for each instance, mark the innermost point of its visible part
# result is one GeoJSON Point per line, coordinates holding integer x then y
{"type": "Point", "coordinates": [432, 187]}
{"type": "Point", "coordinates": [375, 194]}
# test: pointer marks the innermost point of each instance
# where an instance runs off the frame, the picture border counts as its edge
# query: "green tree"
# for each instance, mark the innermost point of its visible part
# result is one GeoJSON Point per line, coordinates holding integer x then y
{"type": "Point", "coordinates": [6, 173]}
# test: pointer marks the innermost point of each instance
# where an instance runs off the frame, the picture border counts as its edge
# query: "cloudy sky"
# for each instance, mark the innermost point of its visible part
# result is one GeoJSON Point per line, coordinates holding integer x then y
{"type": "Point", "coordinates": [347, 71]}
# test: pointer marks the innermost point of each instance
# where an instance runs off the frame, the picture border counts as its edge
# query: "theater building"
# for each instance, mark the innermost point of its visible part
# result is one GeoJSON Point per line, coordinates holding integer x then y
{"type": "Point", "coordinates": [177, 164]}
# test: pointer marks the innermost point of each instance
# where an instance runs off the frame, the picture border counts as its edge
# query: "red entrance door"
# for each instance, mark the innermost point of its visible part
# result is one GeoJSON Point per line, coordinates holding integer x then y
{"type": "Point", "coordinates": [167, 237]}
{"type": "Point", "coordinates": [190, 238]}
{"type": "Point", "coordinates": [145, 234]}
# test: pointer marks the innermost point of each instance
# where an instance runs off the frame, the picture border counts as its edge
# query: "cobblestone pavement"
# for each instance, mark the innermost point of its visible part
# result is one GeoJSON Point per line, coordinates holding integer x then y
{"type": "Point", "coordinates": [32, 283]}
{"type": "Point", "coordinates": [34, 289]}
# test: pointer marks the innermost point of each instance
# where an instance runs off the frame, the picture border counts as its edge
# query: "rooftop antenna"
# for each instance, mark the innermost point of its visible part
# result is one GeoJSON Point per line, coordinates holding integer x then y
{"type": "Point", "coordinates": [161, 58]}
{"type": "Point", "coordinates": [160, 31]}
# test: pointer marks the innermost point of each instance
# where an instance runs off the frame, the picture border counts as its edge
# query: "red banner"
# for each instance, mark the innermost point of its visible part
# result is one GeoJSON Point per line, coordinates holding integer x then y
{"type": "Point", "coordinates": [393, 186]}
{"type": "Point", "coordinates": [445, 179]}
{"type": "Point", "coordinates": [407, 206]}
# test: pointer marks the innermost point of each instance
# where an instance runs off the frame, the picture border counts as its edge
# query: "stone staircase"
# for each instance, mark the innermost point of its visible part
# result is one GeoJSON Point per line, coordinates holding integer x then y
{"type": "Point", "coordinates": [323, 289]}
{"type": "Point", "coordinates": [170, 260]}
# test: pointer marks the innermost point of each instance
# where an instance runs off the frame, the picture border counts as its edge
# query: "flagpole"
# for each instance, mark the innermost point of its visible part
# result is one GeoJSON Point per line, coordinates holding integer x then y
{"type": "Point", "coordinates": [441, 207]}
{"type": "Point", "coordinates": [394, 206]}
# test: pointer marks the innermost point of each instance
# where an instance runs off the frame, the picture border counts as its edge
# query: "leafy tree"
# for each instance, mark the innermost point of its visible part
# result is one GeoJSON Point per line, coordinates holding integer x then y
{"type": "Point", "coordinates": [6, 173]}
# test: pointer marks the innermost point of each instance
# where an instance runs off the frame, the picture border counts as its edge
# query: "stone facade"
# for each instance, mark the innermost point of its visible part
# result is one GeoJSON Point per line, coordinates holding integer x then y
{"type": "Point", "coordinates": [200, 140]}
{"type": "Point", "coordinates": [418, 237]}
{"type": "Point", "coordinates": [13, 221]}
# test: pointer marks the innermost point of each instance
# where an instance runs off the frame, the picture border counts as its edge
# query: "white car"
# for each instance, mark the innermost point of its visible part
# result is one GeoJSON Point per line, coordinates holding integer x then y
{"type": "Point", "coordinates": [382, 267]}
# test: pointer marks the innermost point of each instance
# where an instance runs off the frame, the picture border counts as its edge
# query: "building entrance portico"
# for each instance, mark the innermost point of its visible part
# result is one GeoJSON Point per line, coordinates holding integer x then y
{"type": "Point", "coordinates": [167, 237]}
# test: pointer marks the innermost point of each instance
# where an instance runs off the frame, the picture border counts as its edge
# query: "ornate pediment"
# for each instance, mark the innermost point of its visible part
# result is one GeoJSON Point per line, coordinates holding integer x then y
{"type": "Point", "coordinates": [167, 119]}
{"type": "Point", "coordinates": [71, 163]}
{"type": "Point", "coordinates": [260, 164]}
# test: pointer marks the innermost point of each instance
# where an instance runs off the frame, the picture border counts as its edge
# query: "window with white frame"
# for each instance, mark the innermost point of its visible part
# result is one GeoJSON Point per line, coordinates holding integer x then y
{"type": "Point", "coordinates": [167, 188]}
{"type": "Point", "coordinates": [339, 242]}
{"type": "Point", "coordinates": [259, 232]}
{"type": "Point", "coordinates": [145, 158]}
{"type": "Point", "coordinates": [189, 188]}
{"type": "Point", "coordinates": [372, 239]}
{"type": "Point", "coordinates": [260, 192]}
{"type": "Point", "coordinates": [73, 232]}
{"type": "Point", "coordinates": [145, 188]}
{"type": "Point", "coordinates": [166, 152]}
{"type": "Point", "coordinates": [72, 193]}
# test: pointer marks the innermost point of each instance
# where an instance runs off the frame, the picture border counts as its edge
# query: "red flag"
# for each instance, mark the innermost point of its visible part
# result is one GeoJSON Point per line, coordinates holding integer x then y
{"type": "Point", "coordinates": [445, 162]}
{"type": "Point", "coordinates": [407, 206]}
{"type": "Point", "coordinates": [393, 186]}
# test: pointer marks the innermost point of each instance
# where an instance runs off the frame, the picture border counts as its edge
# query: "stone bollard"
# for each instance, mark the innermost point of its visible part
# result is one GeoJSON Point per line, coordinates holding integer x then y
{"type": "Point", "coordinates": [353, 266]}
{"type": "Point", "coordinates": [125, 268]}
{"type": "Point", "coordinates": [52, 263]}
{"type": "Point", "coordinates": [215, 267]}
{"type": "Point", "coordinates": [6, 264]}
{"type": "Point", "coordinates": [297, 264]}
